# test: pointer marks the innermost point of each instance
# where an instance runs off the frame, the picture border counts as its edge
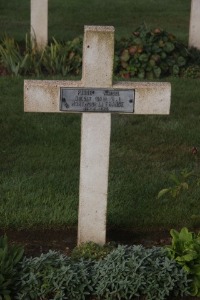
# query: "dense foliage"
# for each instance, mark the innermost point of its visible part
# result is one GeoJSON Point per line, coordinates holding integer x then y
{"type": "Point", "coordinates": [185, 249]}
{"type": "Point", "coordinates": [54, 276]}
{"type": "Point", "coordinates": [56, 58]}
{"type": "Point", "coordinates": [136, 271]}
{"type": "Point", "coordinates": [91, 250]}
{"type": "Point", "coordinates": [124, 273]}
{"type": "Point", "coordinates": [10, 255]}
{"type": "Point", "coordinates": [150, 54]}
{"type": "Point", "coordinates": [145, 54]}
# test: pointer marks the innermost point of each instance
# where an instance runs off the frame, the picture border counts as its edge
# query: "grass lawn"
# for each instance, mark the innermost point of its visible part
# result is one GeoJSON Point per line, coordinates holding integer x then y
{"type": "Point", "coordinates": [40, 153]}
{"type": "Point", "coordinates": [40, 163]}
{"type": "Point", "coordinates": [67, 18]}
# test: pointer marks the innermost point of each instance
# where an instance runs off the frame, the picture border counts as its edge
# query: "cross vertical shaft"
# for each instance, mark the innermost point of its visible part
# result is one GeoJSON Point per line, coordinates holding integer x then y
{"type": "Point", "coordinates": [39, 23]}
{"type": "Point", "coordinates": [98, 54]}
{"type": "Point", "coordinates": [194, 38]}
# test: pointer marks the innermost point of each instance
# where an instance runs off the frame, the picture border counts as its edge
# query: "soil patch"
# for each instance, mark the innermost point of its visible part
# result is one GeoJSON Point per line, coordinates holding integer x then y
{"type": "Point", "coordinates": [39, 241]}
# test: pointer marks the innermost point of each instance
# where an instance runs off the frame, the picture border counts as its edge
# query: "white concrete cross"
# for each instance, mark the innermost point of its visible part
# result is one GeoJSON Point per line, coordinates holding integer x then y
{"type": "Point", "coordinates": [194, 31]}
{"type": "Point", "coordinates": [39, 23]}
{"type": "Point", "coordinates": [96, 97]}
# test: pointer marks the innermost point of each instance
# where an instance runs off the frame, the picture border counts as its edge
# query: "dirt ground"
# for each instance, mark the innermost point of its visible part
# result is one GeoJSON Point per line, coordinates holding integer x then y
{"type": "Point", "coordinates": [39, 241]}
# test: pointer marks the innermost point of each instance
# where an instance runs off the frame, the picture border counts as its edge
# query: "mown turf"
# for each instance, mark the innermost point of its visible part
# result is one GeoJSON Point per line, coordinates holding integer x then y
{"type": "Point", "coordinates": [39, 162]}
{"type": "Point", "coordinates": [67, 18]}
{"type": "Point", "coordinates": [40, 153]}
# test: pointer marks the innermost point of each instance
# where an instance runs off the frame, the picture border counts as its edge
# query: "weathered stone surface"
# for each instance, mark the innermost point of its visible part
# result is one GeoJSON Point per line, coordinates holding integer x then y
{"type": "Point", "coordinates": [95, 147]}
{"type": "Point", "coordinates": [44, 96]}
{"type": "Point", "coordinates": [194, 32]}
{"type": "Point", "coordinates": [39, 23]}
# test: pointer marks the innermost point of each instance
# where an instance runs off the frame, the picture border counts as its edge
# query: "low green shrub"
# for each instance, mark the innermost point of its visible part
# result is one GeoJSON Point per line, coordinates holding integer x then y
{"type": "Point", "coordinates": [91, 250]}
{"type": "Point", "coordinates": [125, 273]}
{"type": "Point", "coordinates": [146, 54]}
{"type": "Point", "coordinates": [150, 54]}
{"type": "Point", "coordinates": [56, 58]}
{"type": "Point", "coordinates": [134, 271]}
{"type": "Point", "coordinates": [10, 256]}
{"type": "Point", "coordinates": [12, 59]}
{"type": "Point", "coordinates": [54, 276]}
{"type": "Point", "coordinates": [185, 249]}
{"type": "Point", "coordinates": [63, 58]}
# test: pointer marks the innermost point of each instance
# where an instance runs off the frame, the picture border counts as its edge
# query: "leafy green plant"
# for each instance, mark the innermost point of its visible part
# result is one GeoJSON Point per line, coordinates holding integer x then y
{"type": "Point", "coordinates": [63, 58]}
{"type": "Point", "coordinates": [124, 273]}
{"type": "Point", "coordinates": [10, 255]}
{"type": "Point", "coordinates": [56, 58]}
{"type": "Point", "coordinates": [134, 271]}
{"type": "Point", "coordinates": [91, 250]}
{"type": "Point", "coordinates": [181, 182]}
{"type": "Point", "coordinates": [185, 249]}
{"type": "Point", "coordinates": [150, 54]}
{"type": "Point", "coordinates": [146, 54]}
{"type": "Point", "coordinates": [11, 57]}
{"type": "Point", "coordinates": [54, 276]}
{"type": "Point", "coordinates": [192, 71]}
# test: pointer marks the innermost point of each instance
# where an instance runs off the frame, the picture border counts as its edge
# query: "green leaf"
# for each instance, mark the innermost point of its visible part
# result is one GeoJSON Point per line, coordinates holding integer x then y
{"type": "Point", "coordinates": [174, 178]}
{"type": "Point", "coordinates": [175, 69]}
{"type": "Point", "coordinates": [144, 57]}
{"type": "Point", "coordinates": [174, 233]}
{"type": "Point", "coordinates": [187, 257]}
{"type": "Point", "coordinates": [125, 56]}
{"type": "Point", "coordinates": [185, 185]}
{"type": "Point", "coordinates": [185, 235]}
{"type": "Point", "coordinates": [157, 71]}
{"type": "Point", "coordinates": [163, 192]}
{"type": "Point", "coordinates": [196, 270]}
{"type": "Point", "coordinates": [169, 47]}
{"type": "Point", "coordinates": [181, 61]}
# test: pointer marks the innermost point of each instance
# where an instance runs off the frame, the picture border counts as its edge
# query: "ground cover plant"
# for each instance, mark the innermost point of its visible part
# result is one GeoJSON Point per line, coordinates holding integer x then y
{"type": "Point", "coordinates": [185, 249]}
{"type": "Point", "coordinates": [147, 53]}
{"type": "Point", "coordinates": [123, 273]}
{"type": "Point", "coordinates": [10, 256]}
{"type": "Point", "coordinates": [39, 163]}
{"type": "Point", "coordinates": [39, 158]}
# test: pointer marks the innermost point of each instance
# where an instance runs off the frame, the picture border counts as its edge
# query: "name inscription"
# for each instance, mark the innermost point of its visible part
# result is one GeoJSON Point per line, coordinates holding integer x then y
{"type": "Point", "coordinates": [97, 100]}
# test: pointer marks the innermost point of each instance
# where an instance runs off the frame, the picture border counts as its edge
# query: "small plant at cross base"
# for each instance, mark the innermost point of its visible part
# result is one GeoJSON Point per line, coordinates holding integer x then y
{"type": "Point", "coordinates": [91, 250]}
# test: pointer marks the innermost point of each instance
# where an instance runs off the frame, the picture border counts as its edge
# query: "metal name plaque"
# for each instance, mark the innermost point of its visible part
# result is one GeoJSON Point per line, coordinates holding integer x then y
{"type": "Point", "coordinates": [97, 100]}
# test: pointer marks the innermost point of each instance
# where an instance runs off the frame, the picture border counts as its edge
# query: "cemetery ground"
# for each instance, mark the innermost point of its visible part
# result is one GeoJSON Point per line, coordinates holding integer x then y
{"type": "Point", "coordinates": [40, 153]}
{"type": "Point", "coordinates": [40, 156]}
{"type": "Point", "coordinates": [40, 172]}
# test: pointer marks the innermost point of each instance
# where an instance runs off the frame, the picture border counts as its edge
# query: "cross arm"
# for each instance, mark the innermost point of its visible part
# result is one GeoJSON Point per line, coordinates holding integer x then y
{"type": "Point", "coordinates": [44, 95]}
{"type": "Point", "coordinates": [150, 97]}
